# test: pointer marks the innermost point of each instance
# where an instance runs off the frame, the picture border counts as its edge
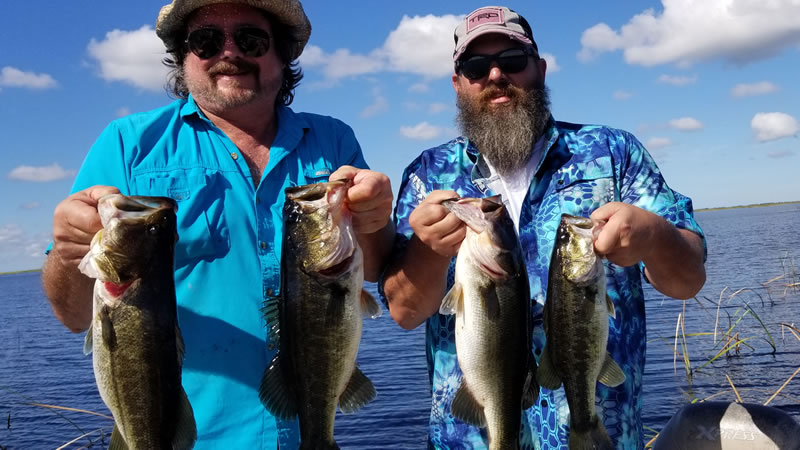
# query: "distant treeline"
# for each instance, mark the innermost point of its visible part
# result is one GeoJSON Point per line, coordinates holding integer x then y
{"type": "Point", "coordinates": [20, 271]}
{"type": "Point", "coordinates": [757, 205]}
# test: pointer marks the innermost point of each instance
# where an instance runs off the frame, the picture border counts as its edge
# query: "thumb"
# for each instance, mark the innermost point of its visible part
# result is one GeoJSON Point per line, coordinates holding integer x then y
{"type": "Point", "coordinates": [91, 196]}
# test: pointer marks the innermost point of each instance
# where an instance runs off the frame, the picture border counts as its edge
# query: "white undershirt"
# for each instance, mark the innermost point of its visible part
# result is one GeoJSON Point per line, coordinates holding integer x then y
{"type": "Point", "coordinates": [514, 187]}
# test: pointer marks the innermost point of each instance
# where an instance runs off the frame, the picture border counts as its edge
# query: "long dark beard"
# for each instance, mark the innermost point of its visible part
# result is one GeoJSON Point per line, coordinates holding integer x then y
{"type": "Point", "coordinates": [504, 134]}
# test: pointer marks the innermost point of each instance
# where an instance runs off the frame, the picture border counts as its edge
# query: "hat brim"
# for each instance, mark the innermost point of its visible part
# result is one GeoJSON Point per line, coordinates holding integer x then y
{"type": "Point", "coordinates": [172, 18]}
{"type": "Point", "coordinates": [489, 30]}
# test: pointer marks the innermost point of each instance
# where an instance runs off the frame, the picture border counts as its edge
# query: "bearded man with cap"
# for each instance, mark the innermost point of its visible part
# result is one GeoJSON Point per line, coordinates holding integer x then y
{"type": "Point", "coordinates": [225, 150]}
{"type": "Point", "coordinates": [512, 146]}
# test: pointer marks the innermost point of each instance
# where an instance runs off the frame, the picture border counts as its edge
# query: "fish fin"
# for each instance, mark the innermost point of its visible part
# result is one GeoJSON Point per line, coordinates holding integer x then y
{"type": "Point", "coordinates": [466, 409]}
{"type": "Point", "coordinates": [546, 374]}
{"type": "Point", "coordinates": [275, 394]}
{"type": "Point", "coordinates": [88, 342]}
{"type": "Point", "coordinates": [530, 391]}
{"type": "Point", "coordinates": [271, 312]}
{"type": "Point", "coordinates": [369, 307]}
{"type": "Point", "coordinates": [185, 427]}
{"type": "Point", "coordinates": [611, 374]}
{"type": "Point", "coordinates": [109, 335]}
{"type": "Point", "coordinates": [358, 392]}
{"type": "Point", "coordinates": [117, 442]}
{"type": "Point", "coordinates": [452, 301]}
{"type": "Point", "coordinates": [610, 305]}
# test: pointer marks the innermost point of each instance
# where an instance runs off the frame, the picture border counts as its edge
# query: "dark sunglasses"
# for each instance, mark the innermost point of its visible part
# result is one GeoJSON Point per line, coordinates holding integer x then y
{"type": "Point", "coordinates": [208, 42]}
{"type": "Point", "coordinates": [512, 60]}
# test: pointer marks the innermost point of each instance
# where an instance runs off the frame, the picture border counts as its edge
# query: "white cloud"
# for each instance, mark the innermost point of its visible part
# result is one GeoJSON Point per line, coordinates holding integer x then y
{"type": "Point", "coordinates": [122, 112]}
{"type": "Point", "coordinates": [419, 88]}
{"type": "Point", "coordinates": [688, 32]}
{"type": "Point", "coordinates": [657, 143]}
{"type": "Point", "coordinates": [10, 233]}
{"type": "Point", "coordinates": [341, 63]}
{"type": "Point", "coordinates": [30, 205]}
{"type": "Point", "coordinates": [677, 80]}
{"type": "Point", "coordinates": [686, 124]}
{"type": "Point", "coordinates": [378, 106]}
{"type": "Point", "coordinates": [422, 131]}
{"type": "Point", "coordinates": [20, 250]}
{"type": "Point", "coordinates": [747, 90]}
{"type": "Point", "coordinates": [13, 77]}
{"type": "Point", "coordinates": [420, 45]}
{"type": "Point", "coordinates": [774, 125]}
{"type": "Point", "coordinates": [133, 57]}
{"type": "Point", "coordinates": [622, 95]}
{"type": "Point", "coordinates": [552, 64]}
{"type": "Point", "coordinates": [41, 174]}
{"type": "Point", "coordinates": [780, 154]}
{"type": "Point", "coordinates": [436, 108]}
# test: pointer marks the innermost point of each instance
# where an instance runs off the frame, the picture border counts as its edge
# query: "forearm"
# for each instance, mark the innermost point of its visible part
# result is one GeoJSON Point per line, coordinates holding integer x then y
{"type": "Point", "coordinates": [69, 292]}
{"type": "Point", "coordinates": [675, 264]}
{"type": "Point", "coordinates": [376, 247]}
{"type": "Point", "coordinates": [415, 285]}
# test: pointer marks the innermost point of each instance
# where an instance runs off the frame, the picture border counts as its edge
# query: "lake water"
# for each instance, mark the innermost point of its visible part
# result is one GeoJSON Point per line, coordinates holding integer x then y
{"type": "Point", "coordinates": [42, 362]}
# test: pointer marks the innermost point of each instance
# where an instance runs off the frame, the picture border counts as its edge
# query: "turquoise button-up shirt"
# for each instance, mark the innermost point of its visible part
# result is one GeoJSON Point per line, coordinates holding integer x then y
{"type": "Point", "coordinates": [583, 167]}
{"type": "Point", "coordinates": [227, 258]}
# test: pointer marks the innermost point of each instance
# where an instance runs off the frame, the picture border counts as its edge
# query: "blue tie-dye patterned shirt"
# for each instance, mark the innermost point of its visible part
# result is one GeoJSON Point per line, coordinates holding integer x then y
{"type": "Point", "coordinates": [583, 167]}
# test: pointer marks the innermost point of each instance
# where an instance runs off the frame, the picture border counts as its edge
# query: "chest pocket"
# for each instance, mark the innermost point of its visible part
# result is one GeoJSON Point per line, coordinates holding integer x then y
{"type": "Point", "coordinates": [202, 229]}
{"type": "Point", "coordinates": [583, 187]}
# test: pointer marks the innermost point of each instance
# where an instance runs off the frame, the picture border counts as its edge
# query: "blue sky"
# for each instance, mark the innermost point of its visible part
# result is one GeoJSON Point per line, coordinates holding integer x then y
{"type": "Point", "coordinates": [709, 86]}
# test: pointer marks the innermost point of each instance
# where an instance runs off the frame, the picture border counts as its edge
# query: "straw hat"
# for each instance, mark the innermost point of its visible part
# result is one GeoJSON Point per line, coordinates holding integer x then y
{"type": "Point", "coordinates": [172, 18]}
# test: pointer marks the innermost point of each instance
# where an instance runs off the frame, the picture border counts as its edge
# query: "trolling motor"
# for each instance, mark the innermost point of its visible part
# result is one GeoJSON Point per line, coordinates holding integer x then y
{"type": "Point", "coordinates": [729, 426]}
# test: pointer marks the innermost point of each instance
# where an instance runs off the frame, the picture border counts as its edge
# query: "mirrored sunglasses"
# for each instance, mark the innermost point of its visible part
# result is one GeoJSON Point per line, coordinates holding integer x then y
{"type": "Point", "coordinates": [207, 42]}
{"type": "Point", "coordinates": [512, 60]}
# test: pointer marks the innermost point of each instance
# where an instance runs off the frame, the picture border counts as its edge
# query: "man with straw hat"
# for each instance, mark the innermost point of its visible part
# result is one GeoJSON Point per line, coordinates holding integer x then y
{"type": "Point", "coordinates": [225, 150]}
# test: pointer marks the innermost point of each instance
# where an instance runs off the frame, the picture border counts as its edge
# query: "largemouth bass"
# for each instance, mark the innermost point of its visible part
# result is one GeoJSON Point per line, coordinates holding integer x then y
{"type": "Point", "coordinates": [135, 340]}
{"type": "Point", "coordinates": [491, 302]}
{"type": "Point", "coordinates": [318, 318]}
{"type": "Point", "coordinates": [576, 325]}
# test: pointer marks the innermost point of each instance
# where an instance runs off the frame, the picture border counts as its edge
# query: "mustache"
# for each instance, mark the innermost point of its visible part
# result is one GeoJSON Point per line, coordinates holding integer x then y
{"type": "Point", "coordinates": [231, 68]}
{"type": "Point", "coordinates": [501, 89]}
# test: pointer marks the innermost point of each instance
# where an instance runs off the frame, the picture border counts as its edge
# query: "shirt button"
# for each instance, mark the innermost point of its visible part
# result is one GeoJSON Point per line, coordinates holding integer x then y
{"type": "Point", "coordinates": [271, 346]}
{"type": "Point", "coordinates": [235, 156]}
{"type": "Point", "coordinates": [263, 245]}
{"type": "Point", "coordinates": [258, 201]}
{"type": "Point", "coordinates": [270, 292]}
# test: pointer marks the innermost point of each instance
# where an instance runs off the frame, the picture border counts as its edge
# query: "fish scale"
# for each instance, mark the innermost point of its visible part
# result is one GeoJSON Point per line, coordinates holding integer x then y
{"type": "Point", "coordinates": [576, 327]}
{"type": "Point", "coordinates": [134, 337]}
{"type": "Point", "coordinates": [491, 303]}
{"type": "Point", "coordinates": [317, 320]}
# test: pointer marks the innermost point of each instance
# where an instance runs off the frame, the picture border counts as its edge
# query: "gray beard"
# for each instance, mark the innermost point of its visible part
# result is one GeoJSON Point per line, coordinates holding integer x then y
{"type": "Point", "coordinates": [505, 136]}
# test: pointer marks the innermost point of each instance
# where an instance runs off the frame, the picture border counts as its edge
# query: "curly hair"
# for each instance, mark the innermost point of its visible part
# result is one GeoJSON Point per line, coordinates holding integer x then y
{"type": "Point", "coordinates": [282, 39]}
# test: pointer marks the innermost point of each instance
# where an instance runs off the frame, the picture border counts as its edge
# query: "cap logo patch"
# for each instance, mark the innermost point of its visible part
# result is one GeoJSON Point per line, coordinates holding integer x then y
{"type": "Point", "coordinates": [486, 16]}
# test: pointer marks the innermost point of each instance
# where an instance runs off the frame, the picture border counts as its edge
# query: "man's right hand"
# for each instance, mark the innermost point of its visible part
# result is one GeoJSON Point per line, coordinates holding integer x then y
{"type": "Point", "coordinates": [75, 222]}
{"type": "Point", "coordinates": [436, 226]}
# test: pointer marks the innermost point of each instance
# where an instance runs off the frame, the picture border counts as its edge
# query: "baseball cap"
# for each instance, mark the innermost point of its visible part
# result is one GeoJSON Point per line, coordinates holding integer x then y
{"type": "Point", "coordinates": [172, 18]}
{"type": "Point", "coordinates": [492, 19]}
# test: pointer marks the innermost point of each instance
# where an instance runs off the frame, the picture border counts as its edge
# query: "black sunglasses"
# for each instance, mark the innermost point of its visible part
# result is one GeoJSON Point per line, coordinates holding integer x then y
{"type": "Point", "coordinates": [207, 42]}
{"type": "Point", "coordinates": [511, 60]}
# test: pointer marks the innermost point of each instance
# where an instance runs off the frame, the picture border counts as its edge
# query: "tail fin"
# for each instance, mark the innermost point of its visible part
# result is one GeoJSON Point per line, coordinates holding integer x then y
{"type": "Point", "coordinates": [595, 438]}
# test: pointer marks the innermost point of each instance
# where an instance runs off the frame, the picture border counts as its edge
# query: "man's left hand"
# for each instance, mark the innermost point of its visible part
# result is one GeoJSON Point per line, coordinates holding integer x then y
{"type": "Point", "coordinates": [626, 232]}
{"type": "Point", "coordinates": [369, 199]}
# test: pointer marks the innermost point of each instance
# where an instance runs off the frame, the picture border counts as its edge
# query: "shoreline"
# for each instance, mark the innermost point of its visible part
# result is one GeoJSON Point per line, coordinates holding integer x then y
{"type": "Point", "coordinates": [718, 208]}
{"type": "Point", "coordinates": [756, 205]}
